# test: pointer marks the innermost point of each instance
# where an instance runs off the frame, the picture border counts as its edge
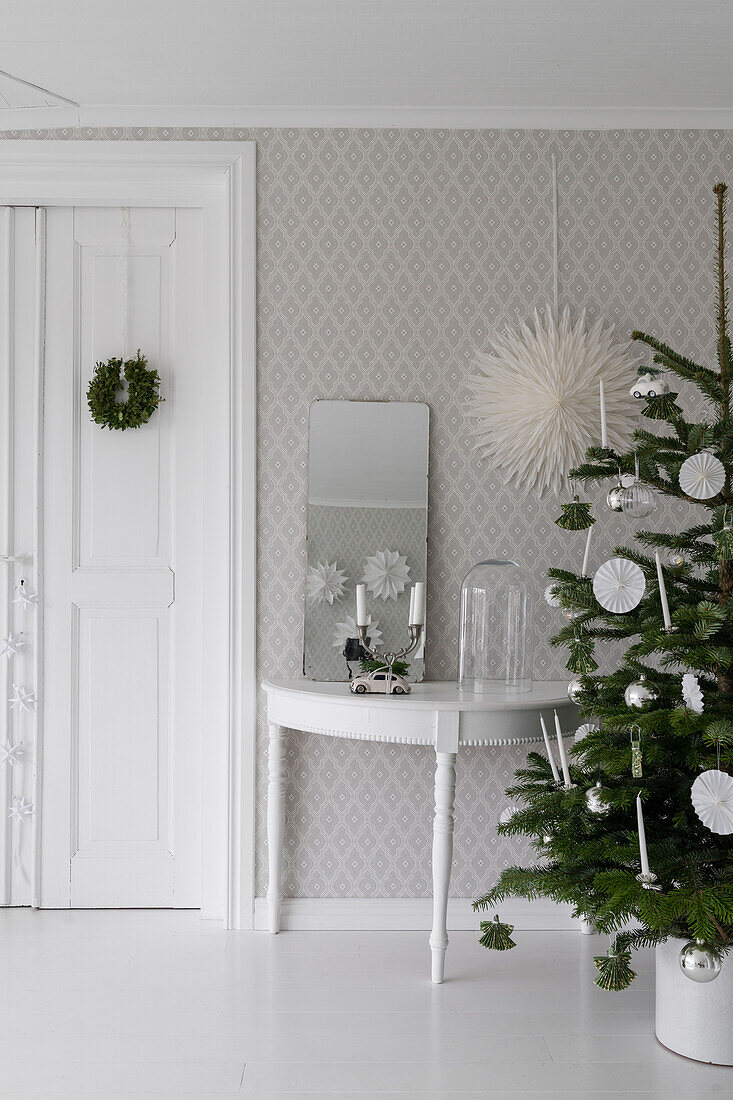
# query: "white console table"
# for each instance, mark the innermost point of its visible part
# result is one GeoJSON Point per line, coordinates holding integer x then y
{"type": "Point", "coordinates": [436, 714]}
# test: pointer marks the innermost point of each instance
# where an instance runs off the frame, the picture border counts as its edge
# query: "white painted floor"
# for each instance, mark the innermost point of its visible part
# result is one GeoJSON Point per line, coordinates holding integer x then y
{"type": "Point", "coordinates": [165, 1004]}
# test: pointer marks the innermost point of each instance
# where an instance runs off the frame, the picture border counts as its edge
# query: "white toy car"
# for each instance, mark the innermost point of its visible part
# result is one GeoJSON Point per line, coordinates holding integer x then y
{"type": "Point", "coordinates": [380, 681]}
{"type": "Point", "coordinates": [647, 386]}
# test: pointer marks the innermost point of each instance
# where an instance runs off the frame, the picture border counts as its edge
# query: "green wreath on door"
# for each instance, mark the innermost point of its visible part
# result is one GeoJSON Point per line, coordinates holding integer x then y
{"type": "Point", "coordinates": [143, 397]}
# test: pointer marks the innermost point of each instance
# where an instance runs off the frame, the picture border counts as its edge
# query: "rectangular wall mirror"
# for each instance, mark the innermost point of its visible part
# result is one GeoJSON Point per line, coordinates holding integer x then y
{"type": "Point", "coordinates": [367, 520]}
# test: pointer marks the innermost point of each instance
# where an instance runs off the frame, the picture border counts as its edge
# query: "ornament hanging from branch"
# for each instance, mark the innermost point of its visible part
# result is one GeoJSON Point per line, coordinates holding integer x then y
{"type": "Point", "coordinates": [712, 799]}
{"type": "Point", "coordinates": [692, 693]}
{"type": "Point", "coordinates": [576, 516]}
{"type": "Point", "coordinates": [702, 476]}
{"type": "Point", "coordinates": [619, 585]}
{"type": "Point", "coordinates": [535, 397]}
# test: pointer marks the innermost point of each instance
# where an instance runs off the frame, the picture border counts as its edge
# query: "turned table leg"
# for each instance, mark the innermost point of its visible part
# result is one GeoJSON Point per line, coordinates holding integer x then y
{"type": "Point", "coordinates": [275, 823]}
{"type": "Point", "coordinates": [445, 790]}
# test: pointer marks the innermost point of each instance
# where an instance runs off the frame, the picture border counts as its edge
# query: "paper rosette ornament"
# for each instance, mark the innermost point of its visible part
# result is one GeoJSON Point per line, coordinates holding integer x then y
{"type": "Point", "coordinates": [551, 597]}
{"type": "Point", "coordinates": [325, 583]}
{"type": "Point", "coordinates": [386, 573]}
{"type": "Point", "coordinates": [619, 585]}
{"type": "Point", "coordinates": [712, 799]}
{"type": "Point", "coordinates": [692, 693]}
{"type": "Point", "coordinates": [536, 397]}
{"type": "Point", "coordinates": [702, 476]}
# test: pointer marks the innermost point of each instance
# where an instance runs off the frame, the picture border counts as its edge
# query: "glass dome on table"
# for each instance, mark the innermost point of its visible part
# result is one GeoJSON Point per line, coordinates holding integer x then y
{"type": "Point", "coordinates": [496, 641]}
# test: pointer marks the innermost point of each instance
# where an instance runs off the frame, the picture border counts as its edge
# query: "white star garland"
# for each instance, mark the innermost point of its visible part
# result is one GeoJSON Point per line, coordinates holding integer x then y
{"type": "Point", "coordinates": [325, 583]}
{"type": "Point", "coordinates": [21, 809]}
{"type": "Point", "coordinates": [11, 754]}
{"type": "Point", "coordinates": [386, 573]}
{"type": "Point", "coordinates": [22, 699]}
{"type": "Point", "coordinates": [11, 645]}
{"type": "Point", "coordinates": [25, 598]}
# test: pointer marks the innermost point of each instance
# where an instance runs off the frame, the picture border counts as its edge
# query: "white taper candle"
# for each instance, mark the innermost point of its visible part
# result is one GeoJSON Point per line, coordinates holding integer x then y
{"type": "Point", "coordinates": [642, 837]}
{"type": "Point", "coordinates": [604, 436]}
{"type": "Point", "coordinates": [561, 750]}
{"type": "Point", "coordinates": [411, 613]}
{"type": "Point", "coordinates": [662, 592]}
{"type": "Point", "coordinates": [586, 555]}
{"type": "Point", "coordinates": [418, 617]}
{"type": "Point", "coordinates": [548, 748]}
{"type": "Point", "coordinates": [361, 614]}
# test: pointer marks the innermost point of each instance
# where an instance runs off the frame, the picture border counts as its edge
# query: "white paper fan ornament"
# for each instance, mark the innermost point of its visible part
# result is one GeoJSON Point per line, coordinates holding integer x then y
{"type": "Point", "coordinates": [619, 585]}
{"type": "Point", "coordinates": [702, 476]}
{"type": "Point", "coordinates": [584, 730]}
{"type": "Point", "coordinates": [551, 597]}
{"type": "Point", "coordinates": [692, 693]}
{"type": "Point", "coordinates": [712, 798]}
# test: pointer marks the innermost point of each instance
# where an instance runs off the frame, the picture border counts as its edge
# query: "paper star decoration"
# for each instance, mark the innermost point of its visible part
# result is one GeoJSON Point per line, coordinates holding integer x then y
{"type": "Point", "coordinates": [22, 699]}
{"type": "Point", "coordinates": [25, 597]}
{"type": "Point", "coordinates": [325, 583]}
{"type": "Point", "coordinates": [11, 645]}
{"type": "Point", "coordinates": [692, 693]}
{"type": "Point", "coordinates": [11, 754]}
{"type": "Point", "coordinates": [536, 397]}
{"type": "Point", "coordinates": [21, 809]}
{"type": "Point", "coordinates": [386, 573]}
{"type": "Point", "coordinates": [347, 629]}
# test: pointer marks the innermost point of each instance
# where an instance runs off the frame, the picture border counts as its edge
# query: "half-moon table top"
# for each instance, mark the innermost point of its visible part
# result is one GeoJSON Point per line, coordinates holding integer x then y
{"type": "Point", "coordinates": [434, 713]}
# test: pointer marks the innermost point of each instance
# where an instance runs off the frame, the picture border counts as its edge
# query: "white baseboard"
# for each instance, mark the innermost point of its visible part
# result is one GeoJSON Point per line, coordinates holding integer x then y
{"type": "Point", "coordinates": [409, 914]}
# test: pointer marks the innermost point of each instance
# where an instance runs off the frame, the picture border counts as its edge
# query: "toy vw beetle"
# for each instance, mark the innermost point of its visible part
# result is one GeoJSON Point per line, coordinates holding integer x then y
{"type": "Point", "coordinates": [382, 681]}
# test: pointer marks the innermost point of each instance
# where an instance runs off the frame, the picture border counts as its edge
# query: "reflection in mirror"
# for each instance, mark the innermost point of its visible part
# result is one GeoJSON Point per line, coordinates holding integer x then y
{"type": "Point", "coordinates": [367, 522]}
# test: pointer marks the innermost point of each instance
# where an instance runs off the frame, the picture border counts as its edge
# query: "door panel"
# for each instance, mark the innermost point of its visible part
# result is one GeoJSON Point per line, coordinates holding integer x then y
{"type": "Point", "coordinates": [123, 590]}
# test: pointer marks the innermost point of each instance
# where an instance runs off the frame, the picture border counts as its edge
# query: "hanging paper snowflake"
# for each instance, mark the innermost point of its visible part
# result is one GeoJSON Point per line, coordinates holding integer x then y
{"type": "Point", "coordinates": [386, 573]}
{"type": "Point", "coordinates": [692, 693]}
{"type": "Point", "coordinates": [21, 809]}
{"type": "Point", "coordinates": [22, 699]}
{"type": "Point", "coordinates": [11, 754]}
{"type": "Point", "coordinates": [325, 583]}
{"type": "Point", "coordinates": [11, 645]}
{"type": "Point", "coordinates": [536, 398]}
{"type": "Point", "coordinates": [348, 629]}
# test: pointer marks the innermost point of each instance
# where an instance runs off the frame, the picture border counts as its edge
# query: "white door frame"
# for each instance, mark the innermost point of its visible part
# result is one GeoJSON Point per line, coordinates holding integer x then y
{"type": "Point", "coordinates": [218, 177]}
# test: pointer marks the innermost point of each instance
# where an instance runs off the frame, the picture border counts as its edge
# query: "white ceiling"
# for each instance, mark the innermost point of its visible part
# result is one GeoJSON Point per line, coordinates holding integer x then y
{"type": "Point", "coordinates": [425, 62]}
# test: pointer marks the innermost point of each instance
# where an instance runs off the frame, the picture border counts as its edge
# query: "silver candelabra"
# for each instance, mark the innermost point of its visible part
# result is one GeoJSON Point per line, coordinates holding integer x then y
{"type": "Point", "coordinates": [389, 658]}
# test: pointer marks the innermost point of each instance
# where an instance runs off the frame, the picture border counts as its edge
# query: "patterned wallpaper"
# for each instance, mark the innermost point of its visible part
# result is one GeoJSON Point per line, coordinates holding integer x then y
{"type": "Point", "coordinates": [385, 258]}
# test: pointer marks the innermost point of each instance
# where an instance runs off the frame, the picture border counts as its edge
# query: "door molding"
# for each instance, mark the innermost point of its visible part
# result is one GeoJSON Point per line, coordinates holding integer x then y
{"type": "Point", "coordinates": [218, 177]}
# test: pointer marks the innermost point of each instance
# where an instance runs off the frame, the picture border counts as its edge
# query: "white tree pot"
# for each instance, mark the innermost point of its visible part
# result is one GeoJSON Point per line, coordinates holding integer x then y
{"type": "Point", "coordinates": [694, 1020]}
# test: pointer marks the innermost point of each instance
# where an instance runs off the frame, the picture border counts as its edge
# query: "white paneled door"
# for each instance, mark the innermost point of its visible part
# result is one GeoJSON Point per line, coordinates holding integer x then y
{"type": "Point", "coordinates": [123, 564]}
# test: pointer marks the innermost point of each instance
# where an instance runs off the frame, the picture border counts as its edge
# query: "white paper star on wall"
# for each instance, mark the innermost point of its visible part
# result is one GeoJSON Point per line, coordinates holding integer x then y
{"type": "Point", "coordinates": [325, 583]}
{"type": "Point", "coordinates": [21, 809]}
{"type": "Point", "coordinates": [22, 699]}
{"type": "Point", "coordinates": [11, 754]}
{"type": "Point", "coordinates": [386, 573]}
{"type": "Point", "coordinates": [10, 645]}
{"type": "Point", "coordinates": [347, 629]}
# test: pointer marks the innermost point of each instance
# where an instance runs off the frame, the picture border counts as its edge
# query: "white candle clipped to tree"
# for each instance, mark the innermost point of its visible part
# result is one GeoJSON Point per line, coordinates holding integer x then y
{"type": "Point", "coordinates": [663, 593]}
{"type": "Point", "coordinates": [604, 433]}
{"type": "Point", "coordinates": [643, 856]}
{"type": "Point", "coordinates": [548, 748]}
{"type": "Point", "coordinates": [561, 750]}
{"type": "Point", "coordinates": [586, 555]}
{"type": "Point", "coordinates": [361, 614]}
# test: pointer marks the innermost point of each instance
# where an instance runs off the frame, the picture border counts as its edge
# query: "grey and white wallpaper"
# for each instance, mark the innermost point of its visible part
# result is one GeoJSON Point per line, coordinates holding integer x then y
{"type": "Point", "coordinates": [385, 257]}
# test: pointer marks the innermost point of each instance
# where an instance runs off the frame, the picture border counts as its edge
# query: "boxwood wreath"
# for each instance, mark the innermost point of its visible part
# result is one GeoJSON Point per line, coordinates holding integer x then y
{"type": "Point", "coordinates": [143, 397]}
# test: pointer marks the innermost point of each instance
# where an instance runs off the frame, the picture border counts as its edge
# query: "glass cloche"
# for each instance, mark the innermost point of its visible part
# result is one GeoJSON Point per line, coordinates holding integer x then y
{"type": "Point", "coordinates": [496, 636]}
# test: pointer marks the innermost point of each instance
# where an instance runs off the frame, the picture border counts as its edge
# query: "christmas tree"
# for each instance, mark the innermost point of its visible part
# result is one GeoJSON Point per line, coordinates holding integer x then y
{"type": "Point", "coordinates": [663, 720]}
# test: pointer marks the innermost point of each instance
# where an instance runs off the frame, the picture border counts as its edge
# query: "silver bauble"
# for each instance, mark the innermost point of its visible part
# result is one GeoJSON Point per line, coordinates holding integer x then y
{"type": "Point", "coordinates": [637, 500]}
{"type": "Point", "coordinates": [614, 498]}
{"type": "Point", "coordinates": [595, 799]}
{"type": "Point", "coordinates": [640, 692]}
{"type": "Point", "coordinates": [699, 961]}
{"type": "Point", "coordinates": [575, 687]}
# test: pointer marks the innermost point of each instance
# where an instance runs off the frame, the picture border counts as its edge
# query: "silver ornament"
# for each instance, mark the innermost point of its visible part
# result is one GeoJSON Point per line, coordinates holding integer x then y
{"type": "Point", "coordinates": [699, 961]}
{"type": "Point", "coordinates": [637, 500]}
{"type": "Point", "coordinates": [575, 687]}
{"type": "Point", "coordinates": [595, 799]}
{"type": "Point", "coordinates": [640, 692]}
{"type": "Point", "coordinates": [571, 613]}
{"type": "Point", "coordinates": [614, 498]}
